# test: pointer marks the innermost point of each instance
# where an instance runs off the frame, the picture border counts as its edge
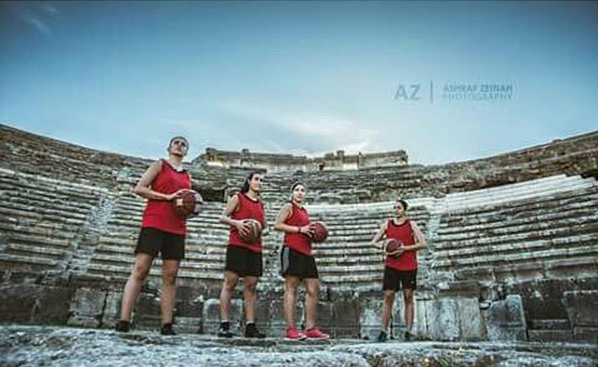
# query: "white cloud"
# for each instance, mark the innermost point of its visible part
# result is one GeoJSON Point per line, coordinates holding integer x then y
{"type": "Point", "coordinates": [38, 15]}
{"type": "Point", "coordinates": [39, 25]}
{"type": "Point", "coordinates": [323, 131]}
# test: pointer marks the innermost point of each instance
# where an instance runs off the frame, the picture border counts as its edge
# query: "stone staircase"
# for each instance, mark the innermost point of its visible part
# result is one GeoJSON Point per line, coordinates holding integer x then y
{"type": "Point", "coordinates": [41, 220]}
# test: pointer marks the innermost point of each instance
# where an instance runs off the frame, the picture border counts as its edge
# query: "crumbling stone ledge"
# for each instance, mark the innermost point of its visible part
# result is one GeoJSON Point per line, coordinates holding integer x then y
{"type": "Point", "coordinates": [60, 346]}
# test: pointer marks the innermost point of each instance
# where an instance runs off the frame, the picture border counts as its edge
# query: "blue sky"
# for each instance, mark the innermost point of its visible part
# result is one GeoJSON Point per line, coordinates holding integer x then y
{"type": "Point", "coordinates": [302, 77]}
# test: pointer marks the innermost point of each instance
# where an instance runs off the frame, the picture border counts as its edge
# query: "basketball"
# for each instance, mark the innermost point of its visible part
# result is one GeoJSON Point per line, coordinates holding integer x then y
{"type": "Point", "coordinates": [254, 234]}
{"type": "Point", "coordinates": [393, 245]}
{"type": "Point", "coordinates": [320, 232]}
{"type": "Point", "coordinates": [188, 204]}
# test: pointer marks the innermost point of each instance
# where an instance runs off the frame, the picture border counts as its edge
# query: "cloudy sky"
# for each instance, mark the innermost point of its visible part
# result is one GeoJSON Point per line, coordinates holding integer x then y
{"type": "Point", "coordinates": [301, 77]}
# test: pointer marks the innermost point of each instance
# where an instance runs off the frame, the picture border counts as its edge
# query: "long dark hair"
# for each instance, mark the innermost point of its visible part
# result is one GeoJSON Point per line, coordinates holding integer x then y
{"type": "Point", "coordinates": [403, 203]}
{"type": "Point", "coordinates": [245, 186]}
{"type": "Point", "coordinates": [293, 188]}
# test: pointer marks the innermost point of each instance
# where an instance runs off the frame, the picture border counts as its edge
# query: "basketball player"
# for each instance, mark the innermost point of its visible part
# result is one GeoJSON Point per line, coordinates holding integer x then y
{"type": "Point", "coordinates": [298, 265]}
{"type": "Point", "coordinates": [400, 269]}
{"type": "Point", "coordinates": [162, 231]}
{"type": "Point", "coordinates": [243, 260]}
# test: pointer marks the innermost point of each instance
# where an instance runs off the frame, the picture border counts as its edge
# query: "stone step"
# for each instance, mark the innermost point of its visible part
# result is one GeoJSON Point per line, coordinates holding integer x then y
{"type": "Point", "coordinates": [34, 188]}
{"type": "Point", "coordinates": [550, 324]}
{"type": "Point", "coordinates": [213, 223]}
{"type": "Point", "coordinates": [18, 210]}
{"type": "Point", "coordinates": [64, 233]}
{"type": "Point", "coordinates": [349, 271]}
{"type": "Point", "coordinates": [37, 240]}
{"type": "Point", "coordinates": [467, 221]}
{"type": "Point", "coordinates": [20, 261]}
{"type": "Point", "coordinates": [35, 251]}
{"type": "Point", "coordinates": [545, 239]}
{"type": "Point", "coordinates": [491, 243]}
{"type": "Point", "coordinates": [556, 268]}
{"type": "Point", "coordinates": [516, 191]}
{"type": "Point", "coordinates": [539, 202]}
{"type": "Point", "coordinates": [126, 261]}
{"type": "Point", "coordinates": [571, 211]}
{"type": "Point", "coordinates": [531, 256]}
{"type": "Point", "coordinates": [155, 272]}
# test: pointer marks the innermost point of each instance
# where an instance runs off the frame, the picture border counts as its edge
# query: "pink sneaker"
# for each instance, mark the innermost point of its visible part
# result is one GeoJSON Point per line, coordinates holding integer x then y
{"type": "Point", "coordinates": [315, 333]}
{"type": "Point", "coordinates": [293, 333]}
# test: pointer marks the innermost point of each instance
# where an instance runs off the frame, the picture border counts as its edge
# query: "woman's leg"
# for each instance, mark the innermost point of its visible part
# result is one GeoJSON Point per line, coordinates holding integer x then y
{"type": "Point", "coordinates": [133, 286]}
{"type": "Point", "coordinates": [228, 287]}
{"type": "Point", "coordinates": [291, 284]}
{"type": "Point", "coordinates": [250, 297]}
{"type": "Point", "coordinates": [170, 270]}
{"type": "Point", "coordinates": [312, 287]}
{"type": "Point", "coordinates": [389, 297]}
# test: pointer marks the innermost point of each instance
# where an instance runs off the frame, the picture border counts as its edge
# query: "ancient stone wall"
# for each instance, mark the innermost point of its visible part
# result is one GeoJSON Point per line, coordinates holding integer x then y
{"type": "Point", "coordinates": [337, 161]}
{"type": "Point", "coordinates": [515, 260]}
{"type": "Point", "coordinates": [25, 152]}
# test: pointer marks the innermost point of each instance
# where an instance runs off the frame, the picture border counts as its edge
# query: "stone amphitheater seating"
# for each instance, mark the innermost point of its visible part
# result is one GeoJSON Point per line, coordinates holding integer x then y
{"type": "Point", "coordinates": [551, 231]}
{"type": "Point", "coordinates": [346, 251]}
{"type": "Point", "coordinates": [204, 247]}
{"type": "Point", "coordinates": [533, 233]}
{"type": "Point", "coordinates": [347, 259]}
{"type": "Point", "coordinates": [546, 228]}
{"type": "Point", "coordinates": [41, 220]}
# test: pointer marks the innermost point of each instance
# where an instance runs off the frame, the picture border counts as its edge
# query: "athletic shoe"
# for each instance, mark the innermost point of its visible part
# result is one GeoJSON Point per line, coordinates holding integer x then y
{"type": "Point", "coordinates": [251, 331]}
{"type": "Point", "coordinates": [408, 336]}
{"type": "Point", "coordinates": [224, 330]}
{"type": "Point", "coordinates": [166, 329]}
{"type": "Point", "coordinates": [383, 337]}
{"type": "Point", "coordinates": [294, 334]}
{"type": "Point", "coordinates": [123, 326]}
{"type": "Point", "coordinates": [315, 333]}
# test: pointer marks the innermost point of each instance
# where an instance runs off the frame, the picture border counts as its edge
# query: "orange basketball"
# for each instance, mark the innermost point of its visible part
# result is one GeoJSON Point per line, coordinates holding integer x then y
{"type": "Point", "coordinates": [320, 232]}
{"type": "Point", "coordinates": [393, 245]}
{"type": "Point", "coordinates": [254, 234]}
{"type": "Point", "coordinates": [188, 203]}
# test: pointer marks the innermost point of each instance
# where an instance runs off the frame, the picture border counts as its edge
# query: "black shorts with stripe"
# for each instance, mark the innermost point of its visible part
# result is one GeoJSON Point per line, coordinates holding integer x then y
{"type": "Point", "coordinates": [296, 264]}
{"type": "Point", "coordinates": [152, 241]}
{"type": "Point", "coordinates": [395, 280]}
{"type": "Point", "coordinates": [243, 262]}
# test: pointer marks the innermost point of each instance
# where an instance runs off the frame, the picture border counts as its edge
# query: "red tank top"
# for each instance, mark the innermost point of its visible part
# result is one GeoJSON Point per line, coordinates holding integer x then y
{"type": "Point", "coordinates": [297, 241]}
{"type": "Point", "coordinates": [248, 209]}
{"type": "Point", "coordinates": [404, 233]}
{"type": "Point", "coordinates": [160, 214]}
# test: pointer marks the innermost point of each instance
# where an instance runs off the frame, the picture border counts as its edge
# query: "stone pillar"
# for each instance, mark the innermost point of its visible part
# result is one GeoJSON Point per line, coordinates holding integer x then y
{"type": "Point", "coordinates": [505, 319]}
{"type": "Point", "coordinates": [211, 316]}
{"type": "Point", "coordinates": [87, 307]}
{"type": "Point", "coordinates": [582, 308]}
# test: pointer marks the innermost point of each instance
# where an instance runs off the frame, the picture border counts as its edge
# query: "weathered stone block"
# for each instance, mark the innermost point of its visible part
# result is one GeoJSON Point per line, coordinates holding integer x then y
{"type": "Point", "coordinates": [211, 316]}
{"type": "Point", "coordinates": [30, 303]}
{"type": "Point", "coordinates": [87, 307]}
{"type": "Point", "coordinates": [582, 308]}
{"type": "Point", "coordinates": [187, 325]}
{"type": "Point", "coordinates": [345, 318]}
{"type": "Point", "coordinates": [550, 335]}
{"type": "Point", "coordinates": [586, 334]}
{"type": "Point", "coordinates": [470, 320]}
{"type": "Point", "coordinates": [505, 319]}
{"type": "Point", "coordinates": [370, 318]}
{"type": "Point", "coordinates": [111, 313]}
{"type": "Point", "coordinates": [147, 311]}
{"type": "Point", "coordinates": [443, 319]}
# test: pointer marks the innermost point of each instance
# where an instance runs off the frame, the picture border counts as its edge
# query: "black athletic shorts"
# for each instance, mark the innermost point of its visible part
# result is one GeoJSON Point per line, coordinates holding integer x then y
{"type": "Point", "coordinates": [170, 245]}
{"type": "Point", "coordinates": [243, 262]}
{"type": "Point", "coordinates": [297, 264]}
{"type": "Point", "coordinates": [395, 280]}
